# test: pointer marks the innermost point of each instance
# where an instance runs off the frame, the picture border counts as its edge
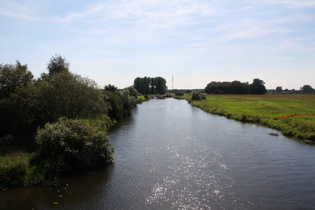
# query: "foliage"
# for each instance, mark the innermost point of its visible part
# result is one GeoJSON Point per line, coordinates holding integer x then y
{"type": "Point", "coordinates": [307, 89]}
{"type": "Point", "coordinates": [179, 93]}
{"type": "Point", "coordinates": [110, 88]}
{"type": "Point", "coordinates": [147, 85]}
{"type": "Point", "coordinates": [12, 172]}
{"type": "Point", "coordinates": [13, 77]}
{"type": "Point", "coordinates": [257, 87]}
{"type": "Point", "coordinates": [116, 109]}
{"type": "Point", "coordinates": [15, 171]}
{"type": "Point", "coordinates": [57, 64]}
{"type": "Point", "coordinates": [279, 89]}
{"type": "Point", "coordinates": [69, 95]}
{"type": "Point", "coordinates": [129, 97]}
{"type": "Point", "coordinates": [195, 95]}
{"type": "Point", "coordinates": [70, 146]}
{"type": "Point", "coordinates": [236, 87]}
{"type": "Point", "coordinates": [17, 101]}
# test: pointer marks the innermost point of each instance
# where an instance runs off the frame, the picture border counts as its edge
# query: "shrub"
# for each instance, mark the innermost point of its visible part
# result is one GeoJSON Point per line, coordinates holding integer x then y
{"type": "Point", "coordinates": [72, 146]}
{"type": "Point", "coordinates": [179, 93]}
{"type": "Point", "coordinates": [195, 95]}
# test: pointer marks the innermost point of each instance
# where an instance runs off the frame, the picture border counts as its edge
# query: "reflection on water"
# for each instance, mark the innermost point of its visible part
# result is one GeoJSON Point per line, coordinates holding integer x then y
{"type": "Point", "coordinates": [170, 155]}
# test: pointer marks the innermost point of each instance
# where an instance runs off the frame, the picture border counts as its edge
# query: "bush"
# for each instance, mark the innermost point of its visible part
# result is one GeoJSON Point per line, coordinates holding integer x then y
{"type": "Point", "coordinates": [195, 95]}
{"type": "Point", "coordinates": [179, 93]}
{"type": "Point", "coordinates": [71, 146]}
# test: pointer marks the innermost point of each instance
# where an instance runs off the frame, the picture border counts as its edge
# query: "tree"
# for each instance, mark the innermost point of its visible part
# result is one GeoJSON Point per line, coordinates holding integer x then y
{"type": "Point", "coordinates": [17, 102]}
{"type": "Point", "coordinates": [110, 88]}
{"type": "Point", "coordinates": [307, 89]}
{"type": "Point", "coordinates": [69, 95]}
{"type": "Point", "coordinates": [129, 97]}
{"type": "Point", "coordinates": [116, 109]}
{"type": "Point", "coordinates": [257, 87]}
{"type": "Point", "coordinates": [279, 89]}
{"type": "Point", "coordinates": [235, 87]}
{"type": "Point", "coordinates": [160, 85]}
{"type": "Point", "coordinates": [57, 64]}
{"type": "Point", "coordinates": [147, 85]}
{"type": "Point", "coordinates": [13, 77]}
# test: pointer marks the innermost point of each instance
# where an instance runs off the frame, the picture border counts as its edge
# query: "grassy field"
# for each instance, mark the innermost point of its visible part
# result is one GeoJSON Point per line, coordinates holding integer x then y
{"type": "Point", "coordinates": [293, 115]}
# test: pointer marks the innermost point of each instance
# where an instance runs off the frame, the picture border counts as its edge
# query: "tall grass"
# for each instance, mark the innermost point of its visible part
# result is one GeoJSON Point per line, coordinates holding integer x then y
{"type": "Point", "coordinates": [15, 171]}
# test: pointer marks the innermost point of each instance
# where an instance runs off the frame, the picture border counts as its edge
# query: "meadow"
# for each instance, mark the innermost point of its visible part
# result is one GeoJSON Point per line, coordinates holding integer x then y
{"type": "Point", "coordinates": [293, 115]}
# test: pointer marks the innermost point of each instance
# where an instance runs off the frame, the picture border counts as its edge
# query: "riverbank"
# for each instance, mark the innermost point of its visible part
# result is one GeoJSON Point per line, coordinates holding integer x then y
{"type": "Point", "coordinates": [293, 115]}
{"type": "Point", "coordinates": [16, 169]}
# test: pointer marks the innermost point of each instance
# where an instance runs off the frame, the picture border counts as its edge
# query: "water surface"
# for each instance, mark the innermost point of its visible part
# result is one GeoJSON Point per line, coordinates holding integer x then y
{"type": "Point", "coordinates": [170, 155]}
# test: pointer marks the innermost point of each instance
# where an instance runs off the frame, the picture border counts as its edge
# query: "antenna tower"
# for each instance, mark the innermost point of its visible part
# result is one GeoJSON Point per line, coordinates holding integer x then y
{"type": "Point", "coordinates": [172, 82]}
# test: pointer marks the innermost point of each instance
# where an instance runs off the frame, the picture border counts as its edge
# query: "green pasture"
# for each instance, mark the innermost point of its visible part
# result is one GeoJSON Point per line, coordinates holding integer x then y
{"type": "Point", "coordinates": [265, 109]}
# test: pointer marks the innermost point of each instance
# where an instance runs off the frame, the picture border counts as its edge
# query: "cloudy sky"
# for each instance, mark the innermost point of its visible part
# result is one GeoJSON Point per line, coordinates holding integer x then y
{"type": "Point", "coordinates": [197, 41]}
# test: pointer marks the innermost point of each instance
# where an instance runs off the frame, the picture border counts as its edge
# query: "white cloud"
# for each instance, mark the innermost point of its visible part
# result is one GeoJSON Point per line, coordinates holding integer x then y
{"type": "Point", "coordinates": [292, 3]}
{"type": "Point", "coordinates": [206, 37]}
{"type": "Point", "coordinates": [18, 10]}
{"type": "Point", "coordinates": [78, 15]}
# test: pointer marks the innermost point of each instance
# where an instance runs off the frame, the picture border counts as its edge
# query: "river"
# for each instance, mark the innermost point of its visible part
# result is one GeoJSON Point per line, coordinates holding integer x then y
{"type": "Point", "coordinates": [170, 155]}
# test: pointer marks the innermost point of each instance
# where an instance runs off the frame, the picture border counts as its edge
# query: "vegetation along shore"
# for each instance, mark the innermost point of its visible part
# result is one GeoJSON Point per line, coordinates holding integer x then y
{"type": "Point", "coordinates": [292, 114]}
{"type": "Point", "coordinates": [55, 125]}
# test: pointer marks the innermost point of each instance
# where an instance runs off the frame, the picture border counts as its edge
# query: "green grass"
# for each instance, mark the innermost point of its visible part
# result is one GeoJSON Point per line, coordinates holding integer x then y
{"type": "Point", "coordinates": [16, 171]}
{"type": "Point", "coordinates": [142, 98]}
{"type": "Point", "coordinates": [264, 110]}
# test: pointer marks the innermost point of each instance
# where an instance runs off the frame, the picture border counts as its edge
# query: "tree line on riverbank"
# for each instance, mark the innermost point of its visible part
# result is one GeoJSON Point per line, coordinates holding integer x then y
{"type": "Point", "coordinates": [236, 87]}
{"type": "Point", "coordinates": [55, 125]}
{"type": "Point", "coordinates": [147, 85]}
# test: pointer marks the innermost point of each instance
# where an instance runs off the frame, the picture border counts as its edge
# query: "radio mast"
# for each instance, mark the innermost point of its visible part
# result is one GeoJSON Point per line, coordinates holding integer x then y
{"type": "Point", "coordinates": [172, 82]}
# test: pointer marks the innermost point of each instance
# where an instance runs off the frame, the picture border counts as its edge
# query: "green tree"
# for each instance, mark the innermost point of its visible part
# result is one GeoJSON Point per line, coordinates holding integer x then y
{"type": "Point", "coordinates": [110, 88]}
{"type": "Point", "coordinates": [116, 109]}
{"type": "Point", "coordinates": [161, 87]}
{"type": "Point", "coordinates": [57, 64]}
{"type": "Point", "coordinates": [257, 87]}
{"type": "Point", "coordinates": [13, 77]}
{"type": "Point", "coordinates": [17, 102]}
{"type": "Point", "coordinates": [129, 97]}
{"type": "Point", "coordinates": [307, 89]}
{"type": "Point", "coordinates": [279, 89]}
{"type": "Point", "coordinates": [147, 85]}
{"type": "Point", "coordinates": [69, 95]}
{"type": "Point", "coordinates": [235, 87]}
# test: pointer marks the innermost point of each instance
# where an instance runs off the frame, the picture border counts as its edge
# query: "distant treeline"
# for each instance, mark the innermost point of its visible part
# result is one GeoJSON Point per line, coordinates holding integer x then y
{"type": "Point", "coordinates": [147, 85]}
{"type": "Point", "coordinates": [306, 89]}
{"type": "Point", "coordinates": [236, 87]}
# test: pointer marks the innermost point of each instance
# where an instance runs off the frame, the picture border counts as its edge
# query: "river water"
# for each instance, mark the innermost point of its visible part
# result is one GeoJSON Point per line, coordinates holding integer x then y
{"type": "Point", "coordinates": [171, 155]}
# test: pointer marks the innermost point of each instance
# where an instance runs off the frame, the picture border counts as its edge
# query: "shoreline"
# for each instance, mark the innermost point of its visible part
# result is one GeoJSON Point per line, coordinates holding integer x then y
{"type": "Point", "coordinates": [297, 126]}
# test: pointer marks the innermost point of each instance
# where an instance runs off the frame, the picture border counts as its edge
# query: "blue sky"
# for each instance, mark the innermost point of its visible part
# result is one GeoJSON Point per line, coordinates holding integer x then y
{"type": "Point", "coordinates": [197, 41]}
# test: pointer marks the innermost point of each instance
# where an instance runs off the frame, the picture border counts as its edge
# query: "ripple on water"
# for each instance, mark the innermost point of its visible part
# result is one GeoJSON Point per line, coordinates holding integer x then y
{"type": "Point", "coordinates": [193, 181]}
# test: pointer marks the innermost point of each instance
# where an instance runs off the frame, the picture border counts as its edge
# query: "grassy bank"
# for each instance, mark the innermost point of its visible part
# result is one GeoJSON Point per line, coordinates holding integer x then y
{"type": "Point", "coordinates": [293, 115]}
